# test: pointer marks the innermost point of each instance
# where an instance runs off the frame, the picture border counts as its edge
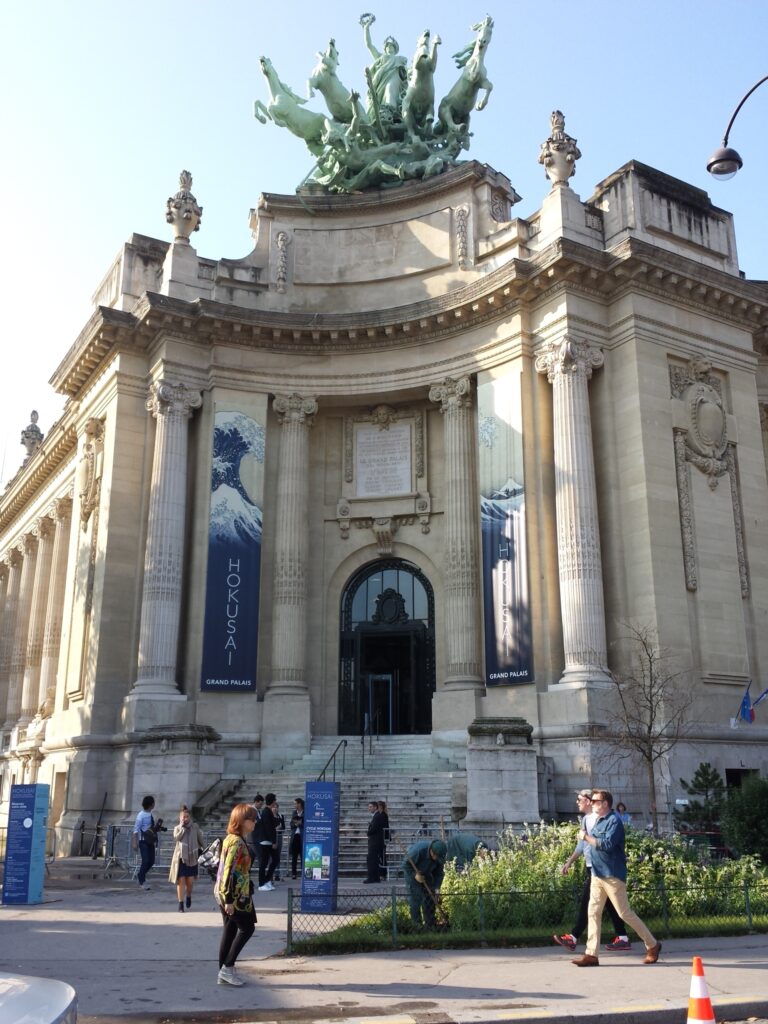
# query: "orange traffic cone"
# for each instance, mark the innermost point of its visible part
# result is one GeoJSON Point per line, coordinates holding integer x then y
{"type": "Point", "coordinates": [699, 1005]}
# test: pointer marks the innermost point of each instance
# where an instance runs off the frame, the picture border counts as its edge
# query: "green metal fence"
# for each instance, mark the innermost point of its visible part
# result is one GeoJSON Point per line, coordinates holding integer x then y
{"type": "Point", "coordinates": [382, 919]}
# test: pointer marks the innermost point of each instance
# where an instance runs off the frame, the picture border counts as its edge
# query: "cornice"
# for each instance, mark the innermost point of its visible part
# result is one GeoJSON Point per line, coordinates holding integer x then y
{"type": "Point", "coordinates": [634, 265]}
{"type": "Point", "coordinates": [58, 446]}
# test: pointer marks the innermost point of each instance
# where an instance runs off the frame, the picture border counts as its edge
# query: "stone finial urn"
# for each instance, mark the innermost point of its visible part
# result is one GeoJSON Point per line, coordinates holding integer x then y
{"type": "Point", "coordinates": [32, 435]}
{"type": "Point", "coordinates": [182, 210]}
{"type": "Point", "coordinates": [559, 153]}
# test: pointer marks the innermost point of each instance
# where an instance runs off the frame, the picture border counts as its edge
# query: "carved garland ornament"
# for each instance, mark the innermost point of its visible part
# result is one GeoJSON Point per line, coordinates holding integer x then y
{"type": "Point", "coordinates": [90, 469]}
{"type": "Point", "coordinates": [703, 442]}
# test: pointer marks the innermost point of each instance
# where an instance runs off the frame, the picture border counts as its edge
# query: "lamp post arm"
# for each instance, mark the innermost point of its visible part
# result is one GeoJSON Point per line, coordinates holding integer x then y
{"type": "Point", "coordinates": [742, 101]}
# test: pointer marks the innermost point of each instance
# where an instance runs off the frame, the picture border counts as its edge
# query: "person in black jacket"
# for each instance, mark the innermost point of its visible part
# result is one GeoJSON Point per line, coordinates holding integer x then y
{"type": "Point", "coordinates": [375, 843]}
{"type": "Point", "coordinates": [267, 826]}
{"type": "Point", "coordinates": [297, 834]}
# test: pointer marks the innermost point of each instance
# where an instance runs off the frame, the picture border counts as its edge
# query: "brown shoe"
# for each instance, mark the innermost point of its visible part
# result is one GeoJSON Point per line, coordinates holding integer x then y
{"type": "Point", "coordinates": [587, 961]}
{"type": "Point", "coordinates": [652, 954]}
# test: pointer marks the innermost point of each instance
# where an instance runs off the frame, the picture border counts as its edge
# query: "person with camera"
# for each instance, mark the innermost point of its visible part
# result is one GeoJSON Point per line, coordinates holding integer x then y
{"type": "Point", "coordinates": [189, 846]}
{"type": "Point", "coordinates": [144, 839]}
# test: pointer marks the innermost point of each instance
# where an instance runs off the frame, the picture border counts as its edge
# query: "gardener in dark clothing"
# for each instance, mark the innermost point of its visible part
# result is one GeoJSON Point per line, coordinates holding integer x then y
{"type": "Point", "coordinates": [423, 870]}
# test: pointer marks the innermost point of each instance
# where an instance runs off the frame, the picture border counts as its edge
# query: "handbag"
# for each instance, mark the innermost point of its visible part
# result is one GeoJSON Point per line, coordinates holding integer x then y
{"type": "Point", "coordinates": [149, 837]}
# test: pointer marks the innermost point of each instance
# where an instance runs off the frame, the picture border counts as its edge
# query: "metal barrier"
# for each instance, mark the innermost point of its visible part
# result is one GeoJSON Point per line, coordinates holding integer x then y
{"type": "Point", "coordinates": [122, 861]}
{"type": "Point", "coordinates": [382, 919]}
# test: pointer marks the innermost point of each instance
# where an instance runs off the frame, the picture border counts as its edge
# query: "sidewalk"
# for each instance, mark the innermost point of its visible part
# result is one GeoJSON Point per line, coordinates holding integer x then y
{"type": "Point", "coordinates": [130, 954]}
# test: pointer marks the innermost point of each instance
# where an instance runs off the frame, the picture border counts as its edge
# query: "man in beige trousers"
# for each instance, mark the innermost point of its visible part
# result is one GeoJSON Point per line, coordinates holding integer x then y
{"type": "Point", "coordinates": [609, 880]}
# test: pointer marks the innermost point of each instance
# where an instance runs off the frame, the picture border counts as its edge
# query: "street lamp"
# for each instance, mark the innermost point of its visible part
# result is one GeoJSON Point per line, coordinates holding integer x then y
{"type": "Point", "coordinates": [725, 162]}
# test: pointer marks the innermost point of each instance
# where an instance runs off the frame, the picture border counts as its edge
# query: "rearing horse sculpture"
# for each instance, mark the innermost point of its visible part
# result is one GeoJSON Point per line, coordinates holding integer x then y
{"type": "Point", "coordinates": [284, 108]}
{"type": "Point", "coordinates": [453, 112]}
{"type": "Point", "coordinates": [418, 110]}
{"type": "Point", "coordinates": [337, 97]}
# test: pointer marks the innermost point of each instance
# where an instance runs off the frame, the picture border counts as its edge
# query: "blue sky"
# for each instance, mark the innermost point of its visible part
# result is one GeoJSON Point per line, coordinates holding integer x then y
{"type": "Point", "coordinates": [104, 103]}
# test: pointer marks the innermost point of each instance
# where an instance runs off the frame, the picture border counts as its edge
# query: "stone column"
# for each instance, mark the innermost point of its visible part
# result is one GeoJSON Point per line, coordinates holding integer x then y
{"type": "Point", "coordinates": [28, 550]}
{"type": "Point", "coordinates": [289, 599]}
{"type": "Point", "coordinates": [172, 406]}
{"type": "Point", "coordinates": [31, 682]}
{"type": "Point", "coordinates": [11, 568]}
{"type": "Point", "coordinates": [568, 365]}
{"type": "Point", "coordinates": [62, 512]}
{"type": "Point", "coordinates": [462, 584]}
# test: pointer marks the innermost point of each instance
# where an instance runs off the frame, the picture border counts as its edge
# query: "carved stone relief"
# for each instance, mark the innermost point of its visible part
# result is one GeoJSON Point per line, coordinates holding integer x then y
{"type": "Point", "coordinates": [462, 239]}
{"type": "Point", "coordinates": [702, 440]}
{"type": "Point", "coordinates": [90, 469]}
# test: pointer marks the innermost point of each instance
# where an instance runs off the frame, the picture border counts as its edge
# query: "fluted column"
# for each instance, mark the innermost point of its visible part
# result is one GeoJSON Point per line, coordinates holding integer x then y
{"type": "Point", "coordinates": [462, 582]}
{"type": "Point", "coordinates": [568, 365]}
{"type": "Point", "coordinates": [295, 414]}
{"type": "Point", "coordinates": [31, 682]}
{"type": "Point", "coordinates": [172, 406]}
{"type": "Point", "coordinates": [62, 513]}
{"type": "Point", "coordinates": [12, 572]}
{"type": "Point", "coordinates": [28, 550]}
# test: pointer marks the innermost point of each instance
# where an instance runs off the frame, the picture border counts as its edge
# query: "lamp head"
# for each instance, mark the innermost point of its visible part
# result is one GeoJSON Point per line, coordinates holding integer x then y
{"type": "Point", "coordinates": [724, 163]}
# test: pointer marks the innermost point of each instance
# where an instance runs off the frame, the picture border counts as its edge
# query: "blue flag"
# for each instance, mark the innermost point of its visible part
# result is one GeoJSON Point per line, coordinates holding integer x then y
{"type": "Point", "coordinates": [746, 711]}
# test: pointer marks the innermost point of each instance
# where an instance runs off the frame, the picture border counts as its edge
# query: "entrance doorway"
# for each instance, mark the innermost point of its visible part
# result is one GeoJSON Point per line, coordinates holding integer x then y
{"type": "Point", "coordinates": [387, 663]}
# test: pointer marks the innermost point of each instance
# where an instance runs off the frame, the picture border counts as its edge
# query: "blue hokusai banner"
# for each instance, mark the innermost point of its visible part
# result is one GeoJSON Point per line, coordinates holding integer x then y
{"type": "Point", "coordinates": [234, 554]}
{"type": "Point", "coordinates": [320, 864]}
{"type": "Point", "coordinates": [506, 605]}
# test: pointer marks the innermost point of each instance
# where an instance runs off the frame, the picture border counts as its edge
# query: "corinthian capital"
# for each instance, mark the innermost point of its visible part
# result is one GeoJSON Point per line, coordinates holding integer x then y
{"type": "Point", "coordinates": [568, 357]}
{"type": "Point", "coordinates": [451, 393]}
{"type": "Point", "coordinates": [27, 545]}
{"type": "Point", "coordinates": [294, 408]}
{"type": "Point", "coordinates": [43, 527]}
{"type": "Point", "coordinates": [167, 399]}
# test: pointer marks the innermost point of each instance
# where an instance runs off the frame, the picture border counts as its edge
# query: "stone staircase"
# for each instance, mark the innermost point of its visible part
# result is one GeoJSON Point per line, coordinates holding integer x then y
{"type": "Point", "coordinates": [422, 792]}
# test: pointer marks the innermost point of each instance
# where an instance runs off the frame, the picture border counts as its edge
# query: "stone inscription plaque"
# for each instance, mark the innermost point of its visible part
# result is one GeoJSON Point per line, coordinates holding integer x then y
{"type": "Point", "coordinates": [383, 460]}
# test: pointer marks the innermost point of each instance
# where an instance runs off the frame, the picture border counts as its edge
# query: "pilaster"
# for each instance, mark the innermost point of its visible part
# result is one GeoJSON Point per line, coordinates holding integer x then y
{"type": "Point", "coordinates": [43, 531]}
{"type": "Point", "coordinates": [172, 405]}
{"type": "Point", "coordinates": [462, 584]}
{"type": "Point", "coordinates": [568, 365]}
{"type": "Point", "coordinates": [62, 514]}
{"type": "Point", "coordinates": [27, 548]}
{"type": "Point", "coordinates": [286, 701]}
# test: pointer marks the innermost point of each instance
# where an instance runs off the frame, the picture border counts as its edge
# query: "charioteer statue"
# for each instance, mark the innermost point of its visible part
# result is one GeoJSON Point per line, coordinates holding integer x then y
{"type": "Point", "coordinates": [395, 136]}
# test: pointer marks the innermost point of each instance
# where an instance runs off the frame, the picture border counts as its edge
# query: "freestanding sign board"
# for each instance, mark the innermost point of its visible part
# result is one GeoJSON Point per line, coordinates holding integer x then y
{"type": "Point", "coordinates": [320, 863]}
{"type": "Point", "coordinates": [25, 845]}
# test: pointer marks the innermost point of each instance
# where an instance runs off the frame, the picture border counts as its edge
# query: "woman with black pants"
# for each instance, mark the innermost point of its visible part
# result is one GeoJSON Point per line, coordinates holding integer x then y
{"type": "Point", "coordinates": [234, 892]}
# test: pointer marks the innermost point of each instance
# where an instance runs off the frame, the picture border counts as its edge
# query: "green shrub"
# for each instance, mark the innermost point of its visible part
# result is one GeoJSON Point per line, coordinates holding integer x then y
{"type": "Point", "coordinates": [744, 820]}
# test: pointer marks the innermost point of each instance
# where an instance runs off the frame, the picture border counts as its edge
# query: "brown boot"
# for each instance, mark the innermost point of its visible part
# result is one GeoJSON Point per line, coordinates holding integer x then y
{"type": "Point", "coordinates": [652, 954]}
{"type": "Point", "coordinates": [587, 961]}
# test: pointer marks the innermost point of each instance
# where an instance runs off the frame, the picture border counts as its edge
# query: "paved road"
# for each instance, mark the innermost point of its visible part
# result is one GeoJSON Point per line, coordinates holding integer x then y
{"type": "Point", "coordinates": [132, 957]}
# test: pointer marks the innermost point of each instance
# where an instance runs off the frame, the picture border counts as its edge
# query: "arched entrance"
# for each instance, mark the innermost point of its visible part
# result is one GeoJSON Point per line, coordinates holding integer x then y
{"type": "Point", "coordinates": [387, 649]}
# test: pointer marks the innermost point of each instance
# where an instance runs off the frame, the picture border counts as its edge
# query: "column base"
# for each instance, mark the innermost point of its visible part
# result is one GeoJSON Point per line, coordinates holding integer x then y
{"type": "Point", "coordinates": [502, 773]}
{"type": "Point", "coordinates": [453, 709]}
{"type": "Point", "coordinates": [584, 677]}
{"type": "Point", "coordinates": [286, 727]}
{"type": "Point", "coordinates": [142, 711]}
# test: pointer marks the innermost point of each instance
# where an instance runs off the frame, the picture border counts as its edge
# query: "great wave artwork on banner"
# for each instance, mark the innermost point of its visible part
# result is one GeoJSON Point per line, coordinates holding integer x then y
{"type": "Point", "coordinates": [506, 606]}
{"type": "Point", "coordinates": [234, 554]}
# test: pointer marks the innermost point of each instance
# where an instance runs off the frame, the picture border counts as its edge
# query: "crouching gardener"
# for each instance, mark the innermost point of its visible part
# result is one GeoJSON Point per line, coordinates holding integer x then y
{"type": "Point", "coordinates": [423, 870]}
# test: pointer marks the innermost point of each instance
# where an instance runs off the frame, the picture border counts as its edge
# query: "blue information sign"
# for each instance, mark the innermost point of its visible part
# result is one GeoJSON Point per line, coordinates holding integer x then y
{"type": "Point", "coordinates": [320, 864]}
{"type": "Point", "coordinates": [25, 846]}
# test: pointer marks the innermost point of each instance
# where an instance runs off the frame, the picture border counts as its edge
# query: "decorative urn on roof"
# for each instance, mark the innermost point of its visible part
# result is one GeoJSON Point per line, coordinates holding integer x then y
{"type": "Point", "coordinates": [182, 210]}
{"type": "Point", "coordinates": [559, 153]}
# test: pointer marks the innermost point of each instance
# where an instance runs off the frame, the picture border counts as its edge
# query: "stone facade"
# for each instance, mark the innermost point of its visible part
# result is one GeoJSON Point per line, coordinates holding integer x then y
{"type": "Point", "coordinates": [356, 336]}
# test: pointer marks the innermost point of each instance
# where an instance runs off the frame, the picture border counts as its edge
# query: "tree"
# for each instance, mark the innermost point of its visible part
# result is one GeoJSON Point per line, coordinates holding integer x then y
{"type": "Point", "coordinates": [707, 782]}
{"type": "Point", "coordinates": [652, 708]}
{"type": "Point", "coordinates": [744, 821]}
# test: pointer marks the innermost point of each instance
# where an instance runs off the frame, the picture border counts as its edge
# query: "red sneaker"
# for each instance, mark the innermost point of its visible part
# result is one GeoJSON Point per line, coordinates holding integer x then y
{"type": "Point", "coordinates": [565, 940]}
{"type": "Point", "coordinates": [619, 944]}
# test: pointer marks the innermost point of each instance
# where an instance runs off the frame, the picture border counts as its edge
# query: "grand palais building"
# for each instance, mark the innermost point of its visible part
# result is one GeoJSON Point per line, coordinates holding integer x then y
{"type": "Point", "coordinates": [415, 463]}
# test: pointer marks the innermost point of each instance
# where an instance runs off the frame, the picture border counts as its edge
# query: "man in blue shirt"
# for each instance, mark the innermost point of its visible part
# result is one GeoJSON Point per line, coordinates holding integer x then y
{"type": "Point", "coordinates": [609, 880]}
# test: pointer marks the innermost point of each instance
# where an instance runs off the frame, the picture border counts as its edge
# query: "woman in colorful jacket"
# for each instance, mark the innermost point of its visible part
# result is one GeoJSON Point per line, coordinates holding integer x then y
{"type": "Point", "coordinates": [234, 892]}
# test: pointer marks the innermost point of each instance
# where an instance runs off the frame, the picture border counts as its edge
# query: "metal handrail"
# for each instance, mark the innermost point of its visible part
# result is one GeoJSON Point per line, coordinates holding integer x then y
{"type": "Point", "coordinates": [342, 744]}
